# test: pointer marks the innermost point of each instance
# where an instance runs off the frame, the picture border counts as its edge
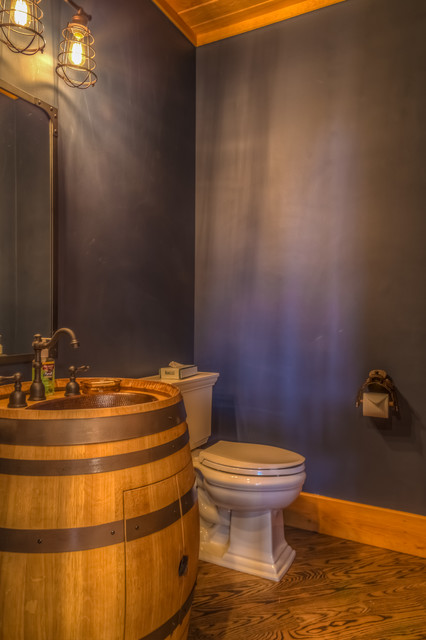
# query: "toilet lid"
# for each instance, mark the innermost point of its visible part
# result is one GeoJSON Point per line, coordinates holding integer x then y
{"type": "Point", "coordinates": [251, 459]}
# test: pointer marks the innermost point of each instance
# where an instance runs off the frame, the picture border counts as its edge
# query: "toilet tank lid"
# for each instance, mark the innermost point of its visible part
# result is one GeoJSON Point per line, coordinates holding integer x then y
{"type": "Point", "coordinates": [248, 456]}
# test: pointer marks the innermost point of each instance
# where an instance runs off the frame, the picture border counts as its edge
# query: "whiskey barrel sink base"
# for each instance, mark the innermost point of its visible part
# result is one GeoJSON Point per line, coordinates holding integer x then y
{"type": "Point", "coordinates": [98, 520]}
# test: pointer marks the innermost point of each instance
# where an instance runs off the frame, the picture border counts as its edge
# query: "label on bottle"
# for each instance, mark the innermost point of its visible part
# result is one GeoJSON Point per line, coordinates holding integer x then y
{"type": "Point", "coordinates": [48, 376]}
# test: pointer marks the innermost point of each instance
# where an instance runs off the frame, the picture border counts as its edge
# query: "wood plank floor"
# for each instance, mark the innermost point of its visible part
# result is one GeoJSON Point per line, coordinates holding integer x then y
{"type": "Point", "coordinates": [335, 590]}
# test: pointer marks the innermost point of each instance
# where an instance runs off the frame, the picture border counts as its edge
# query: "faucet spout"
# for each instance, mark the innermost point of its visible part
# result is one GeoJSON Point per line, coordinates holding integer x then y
{"type": "Point", "coordinates": [47, 344]}
{"type": "Point", "coordinates": [37, 391]}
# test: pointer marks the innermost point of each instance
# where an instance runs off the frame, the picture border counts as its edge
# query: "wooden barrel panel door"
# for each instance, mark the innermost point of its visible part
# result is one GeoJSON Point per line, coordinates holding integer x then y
{"type": "Point", "coordinates": [161, 557]}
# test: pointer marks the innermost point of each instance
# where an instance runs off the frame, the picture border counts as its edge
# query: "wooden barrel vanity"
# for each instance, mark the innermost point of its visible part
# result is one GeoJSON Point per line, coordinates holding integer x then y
{"type": "Point", "coordinates": [99, 521]}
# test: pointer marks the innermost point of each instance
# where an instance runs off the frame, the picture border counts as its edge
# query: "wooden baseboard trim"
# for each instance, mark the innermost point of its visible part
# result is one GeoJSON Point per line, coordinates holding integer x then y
{"type": "Point", "coordinates": [394, 530]}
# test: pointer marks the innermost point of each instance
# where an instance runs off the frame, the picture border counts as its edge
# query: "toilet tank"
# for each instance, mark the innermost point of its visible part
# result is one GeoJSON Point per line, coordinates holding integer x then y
{"type": "Point", "coordinates": [197, 394]}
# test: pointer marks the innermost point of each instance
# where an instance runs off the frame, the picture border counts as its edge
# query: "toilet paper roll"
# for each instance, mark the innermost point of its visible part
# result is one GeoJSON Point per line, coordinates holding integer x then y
{"type": "Point", "coordinates": [375, 405]}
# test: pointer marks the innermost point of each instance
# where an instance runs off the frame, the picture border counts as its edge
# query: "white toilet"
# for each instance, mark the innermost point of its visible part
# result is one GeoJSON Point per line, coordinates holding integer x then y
{"type": "Point", "coordinates": [242, 491]}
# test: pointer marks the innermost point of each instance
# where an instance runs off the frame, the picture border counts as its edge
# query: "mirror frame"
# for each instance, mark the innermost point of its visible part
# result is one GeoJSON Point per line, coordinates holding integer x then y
{"type": "Point", "coordinates": [52, 112]}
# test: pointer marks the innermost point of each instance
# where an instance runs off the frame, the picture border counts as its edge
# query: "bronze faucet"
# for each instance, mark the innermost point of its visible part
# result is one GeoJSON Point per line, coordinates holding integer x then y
{"type": "Point", "coordinates": [37, 391]}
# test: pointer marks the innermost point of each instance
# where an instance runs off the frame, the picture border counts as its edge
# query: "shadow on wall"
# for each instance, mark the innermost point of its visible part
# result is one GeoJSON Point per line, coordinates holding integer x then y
{"type": "Point", "coordinates": [224, 418]}
{"type": "Point", "coordinates": [405, 428]}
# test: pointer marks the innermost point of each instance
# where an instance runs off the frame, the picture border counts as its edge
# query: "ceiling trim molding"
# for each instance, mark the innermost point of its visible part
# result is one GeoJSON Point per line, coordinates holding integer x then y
{"type": "Point", "coordinates": [206, 21]}
{"type": "Point", "coordinates": [174, 17]}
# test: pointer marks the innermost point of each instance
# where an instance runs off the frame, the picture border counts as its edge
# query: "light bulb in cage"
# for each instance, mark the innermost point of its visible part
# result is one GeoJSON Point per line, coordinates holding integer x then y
{"type": "Point", "coordinates": [20, 13]}
{"type": "Point", "coordinates": [21, 28]}
{"type": "Point", "coordinates": [76, 62]}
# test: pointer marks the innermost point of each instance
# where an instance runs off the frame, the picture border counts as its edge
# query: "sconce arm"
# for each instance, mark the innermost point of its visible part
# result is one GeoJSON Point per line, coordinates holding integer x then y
{"type": "Point", "coordinates": [81, 15]}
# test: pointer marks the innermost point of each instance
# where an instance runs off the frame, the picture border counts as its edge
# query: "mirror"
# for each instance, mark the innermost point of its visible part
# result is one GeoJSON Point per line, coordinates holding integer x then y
{"type": "Point", "coordinates": [28, 176]}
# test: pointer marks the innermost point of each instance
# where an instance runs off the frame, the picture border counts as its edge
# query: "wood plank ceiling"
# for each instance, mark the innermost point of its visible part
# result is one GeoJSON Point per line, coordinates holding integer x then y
{"type": "Point", "coordinates": [204, 21]}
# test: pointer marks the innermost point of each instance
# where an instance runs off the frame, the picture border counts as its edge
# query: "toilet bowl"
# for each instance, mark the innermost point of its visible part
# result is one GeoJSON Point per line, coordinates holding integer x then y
{"type": "Point", "coordinates": [242, 491]}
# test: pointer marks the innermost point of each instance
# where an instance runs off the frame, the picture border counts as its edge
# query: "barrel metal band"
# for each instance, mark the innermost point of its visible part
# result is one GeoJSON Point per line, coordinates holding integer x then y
{"type": "Point", "coordinates": [151, 522]}
{"type": "Point", "coordinates": [61, 540]}
{"type": "Point", "coordinates": [84, 466]}
{"type": "Point", "coordinates": [102, 535]}
{"type": "Point", "coordinates": [188, 500]}
{"type": "Point", "coordinates": [170, 625]}
{"type": "Point", "coordinates": [90, 430]}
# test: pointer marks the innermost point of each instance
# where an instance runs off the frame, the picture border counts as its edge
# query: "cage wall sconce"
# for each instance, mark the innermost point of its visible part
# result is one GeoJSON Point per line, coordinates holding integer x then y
{"type": "Point", "coordinates": [76, 62]}
{"type": "Point", "coordinates": [21, 27]}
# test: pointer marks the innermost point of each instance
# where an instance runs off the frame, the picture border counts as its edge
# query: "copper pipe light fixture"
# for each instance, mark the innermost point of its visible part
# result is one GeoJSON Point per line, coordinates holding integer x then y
{"type": "Point", "coordinates": [76, 62]}
{"type": "Point", "coordinates": [21, 27]}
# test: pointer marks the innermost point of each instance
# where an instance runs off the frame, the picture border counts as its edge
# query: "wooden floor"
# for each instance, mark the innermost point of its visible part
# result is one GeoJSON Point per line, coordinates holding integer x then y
{"type": "Point", "coordinates": [335, 590]}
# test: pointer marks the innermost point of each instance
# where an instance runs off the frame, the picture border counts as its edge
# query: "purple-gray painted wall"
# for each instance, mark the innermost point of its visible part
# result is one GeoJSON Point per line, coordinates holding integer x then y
{"type": "Point", "coordinates": [310, 241]}
{"type": "Point", "coordinates": [125, 232]}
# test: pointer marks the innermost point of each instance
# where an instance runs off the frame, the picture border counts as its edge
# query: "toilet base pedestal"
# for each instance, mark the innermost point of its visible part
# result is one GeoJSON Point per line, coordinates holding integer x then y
{"type": "Point", "coordinates": [256, 545]}
{"type": "Point", "coordinates": [255, 568]}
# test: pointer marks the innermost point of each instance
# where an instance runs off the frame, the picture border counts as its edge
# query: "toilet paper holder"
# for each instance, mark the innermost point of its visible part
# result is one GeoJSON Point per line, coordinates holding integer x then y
{"type": "Point", "coordinates": [379, 381]}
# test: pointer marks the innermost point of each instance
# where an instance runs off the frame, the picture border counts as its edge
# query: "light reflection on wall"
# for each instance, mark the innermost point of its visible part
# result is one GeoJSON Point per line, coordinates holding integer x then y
{"type": "Point", "coordinates": [309, 224]}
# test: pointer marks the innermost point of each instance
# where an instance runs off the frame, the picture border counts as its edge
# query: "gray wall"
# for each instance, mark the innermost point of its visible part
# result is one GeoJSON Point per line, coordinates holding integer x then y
{"type": "Point", "coordinates": [310, 236]}
{"type": "Point", "coordinates": [126, 188]}
{"type": "Point", "coordinates": [127, 198]}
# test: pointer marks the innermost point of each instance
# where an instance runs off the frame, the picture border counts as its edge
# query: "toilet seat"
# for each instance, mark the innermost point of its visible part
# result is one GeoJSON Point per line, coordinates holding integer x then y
{"type": "Point", "coordinates": [248, 459]}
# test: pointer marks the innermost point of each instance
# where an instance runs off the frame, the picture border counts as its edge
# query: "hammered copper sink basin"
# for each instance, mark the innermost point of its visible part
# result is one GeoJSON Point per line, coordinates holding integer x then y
{"type": "Point", "coordinates": [100, 401]}
{"type": "Point", "coordinates": [96, 401]}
